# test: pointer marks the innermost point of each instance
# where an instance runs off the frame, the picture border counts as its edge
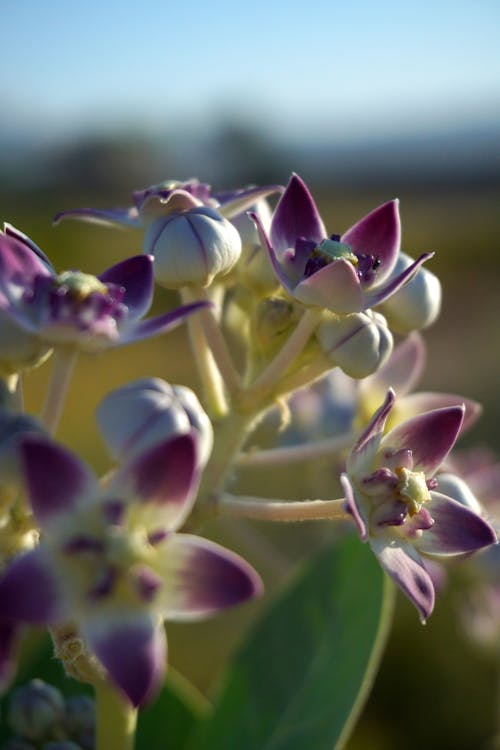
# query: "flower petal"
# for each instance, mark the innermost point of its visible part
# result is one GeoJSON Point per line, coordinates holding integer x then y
{"type": "Point", "coordinates": [457, 529]}
{"type": "Point", "coordinates": [429, 436]}
{"type": "Point", "coordinates": [404, 566]}
{"type": "Point", "coordinates": [295, 216]}
{"type": "Point", "coordinates": [165, 475]}
{"type": "Point", "coordinates": [380, 294]}
{"type": "Point", "coordinates": [133, 648]}
{"type": "Point", "coordinates": [283, 278]}
{"type": "Point", "coordinates": [202, 577]}
{"type": "Point", "coordinates": [136, 276]}
{"type": "Point", "coordinates": [56, 479]}
{"type": "Point", "coordinates": [108, 217]}
{"type": "Point", "coordinates": [12, 231]}
{"type": "Point", "coordinates": [146, 329]}
{"type": "Point", "coordinates": [417, 403]}
{"type": "Point", "coordinates": [363, 452]}
{"type": "Point", "coordinates": [378, 234]}
{"type": "Point", "coordinates": [30, 590]}
{"type": "Point", "coordinates": [335, 287]}
{"type": "Point", "coordinates": [353, 508]}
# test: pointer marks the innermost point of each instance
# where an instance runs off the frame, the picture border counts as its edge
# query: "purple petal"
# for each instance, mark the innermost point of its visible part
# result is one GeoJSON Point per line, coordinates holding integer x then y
{"type": "Point", "coordinates": [234, 203]}
{"type": "Point", "coordinates": [11, 231]}
{"type": "Point", "coordinates": [19, 266]}
{"type": "Point", "coordinates": [136, 276]}
{"type": "Point", "coordinates": [202, 577]}
{"type": "Point", "coordinates": [402, 370]}
{"type": "Point", "coordinates": [56, 479]}
{"type": "Point", "coordinates": [146, 329]}
{"type": "Point", "coordinates": [335, 287]}
{"type": "Point", "coordinates": [404, 566]}
{"type": "Point", "coordinates": [133, 649]}
{"type": "Point", "coordinates": [429, 436]}
{"type": "Point", "coordinates": [457, 529]}
{"type": "Point", "coordinates": [108, 217]}
{"type": "Point", "coordinates": [378, 234]}
{"type": "Point", "coordinates": [376, 424]}
{"type": "Point", "coordinates": [30, 590]}
{"type": "Point", "coordinates": [352, 507]}
{"type": "Point", "coordinates": [8, 638]}
{"type": "Point", "coordinates": [283, 278]}
{"type": "Point", "coordinates": [295, 216]}
{"type": "Point", "coordinates": [417, 403]}
{"type": "Point", "coordinates": [382, 293]}
{"type": "Point", "coordinates": [165, 475]}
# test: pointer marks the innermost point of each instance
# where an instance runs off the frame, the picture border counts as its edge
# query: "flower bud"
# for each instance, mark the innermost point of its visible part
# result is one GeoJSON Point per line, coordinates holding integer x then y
{"type": "Point", "coordinates": [192, 247]}
{"type": "Point", "coordinates": [148, 411]}
{"type": "Point", "coordinates": [417, 304]}
{"type": "Point", "coordinates": [274, 318]}
{"type": "Point", "coordinates": [254, 267]}
{"type": "Point", "coordinates": [19, 350]}
{"type": "Point", "coordinates": [35, 710]}
{"type": "Point", "coordinates": [358, 343]}
{"type": "Point", "coordinates": [457, 489]}
{"type": "Point", "coordinates": [80, 714]}
{"type": "Point", "coordinates": [13, 427]}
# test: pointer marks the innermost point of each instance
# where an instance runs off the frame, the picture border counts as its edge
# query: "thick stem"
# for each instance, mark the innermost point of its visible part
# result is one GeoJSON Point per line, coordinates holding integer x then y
{"type": "Point", "coordinates": [62, 370]}
{"type": "Point", "coordinates": [261, 509]}
{"type": "Point", "coordinates": [291, 453]}
{"type": "Point", "coordinates": [211, 380]}
{"type": "Point", "coordinates": [293, 347]}
{"type": "Point", "coordinates": [116, 720]}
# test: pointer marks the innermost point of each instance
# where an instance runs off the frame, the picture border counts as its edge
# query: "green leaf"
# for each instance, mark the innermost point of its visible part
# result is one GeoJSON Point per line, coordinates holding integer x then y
{"type": "Point", "coordinates": [168, 722]}
{"type": "Point", "coordinates": [302, 678]}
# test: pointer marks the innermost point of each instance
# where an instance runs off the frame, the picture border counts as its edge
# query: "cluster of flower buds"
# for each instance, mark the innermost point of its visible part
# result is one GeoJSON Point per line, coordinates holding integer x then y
{"type": "Point", "coordinates": [272, 302]}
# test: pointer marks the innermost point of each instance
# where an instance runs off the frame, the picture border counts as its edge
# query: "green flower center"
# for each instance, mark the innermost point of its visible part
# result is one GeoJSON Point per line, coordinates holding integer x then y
{"type": "Point", "coordinates": [412, 489]}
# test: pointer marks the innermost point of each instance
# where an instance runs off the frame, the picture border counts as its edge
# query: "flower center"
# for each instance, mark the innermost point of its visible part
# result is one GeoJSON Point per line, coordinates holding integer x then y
{"type": "Point", "coordinates": [79, 285]}
{"type": "Point", "coordinates": [412, 489]}
{"type": "Point", "coordinates": [332, 249]}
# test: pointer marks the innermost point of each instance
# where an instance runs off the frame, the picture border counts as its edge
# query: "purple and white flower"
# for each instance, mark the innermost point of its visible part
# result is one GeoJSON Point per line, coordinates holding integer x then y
{"type": "Point", "coordinates": [40, 309]}
{"type": "Point", "coordinates": [390, 490]}
{"type": "Point", "coordinates": [342, 273]}
{"type": "Point", "coordinates": [111, 561]}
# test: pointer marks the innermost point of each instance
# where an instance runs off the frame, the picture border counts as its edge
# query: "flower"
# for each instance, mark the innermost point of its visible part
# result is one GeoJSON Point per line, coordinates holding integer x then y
{"type": "Point", "coordinates": [390, 491]}
{"type": "Point", "coordinates": [40, 309]}
{"type": "Point", "coordinates": [172, 196]}
{"type": "Point", "coordinates": [343, 274]}
{"type": "Point", "coordinates": [110, 558]}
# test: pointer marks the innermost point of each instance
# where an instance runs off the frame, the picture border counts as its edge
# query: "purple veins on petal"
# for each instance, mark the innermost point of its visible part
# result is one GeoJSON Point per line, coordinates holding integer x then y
{"type": "Point", "coordinates": [56, 479]}
{"type": "Point", "coordinates": [456, 530]}
{"type": "Point", "coordinates": [429, 436]}
{"type": "Point", "coordinates": [352, 507]}
{"type": "Point", "coordinates": [376, 425]}
{"type": "Point", "coordinates": [30, 591]}
{"type": "Point", "coordinates": [202, 577]}
{"type": "Point", "coordinates": [408, 572]}
{"type": "Point", "coordinates": [133, 649]}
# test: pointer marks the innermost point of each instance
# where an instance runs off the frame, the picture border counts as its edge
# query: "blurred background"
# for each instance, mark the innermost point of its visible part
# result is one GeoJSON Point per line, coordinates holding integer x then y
{"type": "Point", "coordinates": [366, 101]}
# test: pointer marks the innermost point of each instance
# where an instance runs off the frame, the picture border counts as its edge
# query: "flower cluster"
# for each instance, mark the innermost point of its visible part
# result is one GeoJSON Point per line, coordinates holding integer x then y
{"type": "Point", "coordinates": [104, 561]}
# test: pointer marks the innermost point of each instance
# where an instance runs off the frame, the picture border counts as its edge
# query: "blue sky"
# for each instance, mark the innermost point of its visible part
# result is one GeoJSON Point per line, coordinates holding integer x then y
{"type": "Point", "coordinates": [324, 68]}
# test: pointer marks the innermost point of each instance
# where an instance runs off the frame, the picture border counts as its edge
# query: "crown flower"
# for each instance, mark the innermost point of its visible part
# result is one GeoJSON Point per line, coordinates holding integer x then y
{"type": "Point", "coordinates": [342, 273]}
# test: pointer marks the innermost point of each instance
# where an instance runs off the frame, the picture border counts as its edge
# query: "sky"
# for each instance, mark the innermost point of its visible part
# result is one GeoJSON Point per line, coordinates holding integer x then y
{"type": "Point", "coordinates": [323, 69]}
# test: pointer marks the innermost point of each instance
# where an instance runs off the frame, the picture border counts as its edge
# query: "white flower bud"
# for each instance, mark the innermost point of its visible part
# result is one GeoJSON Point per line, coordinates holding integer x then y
{"type": "Point", "coordinates": [417, 304]}
{"type": "Point", "coordinates": [457, 489]}
{"type": "Point", "coordinates": [254, 268]}
{"type": "Point", "coordinates": [148, 411]}
{"type": "Point", "coordinates": [358, 343]}
{"type": "Point", "coordinates": [192, 247]}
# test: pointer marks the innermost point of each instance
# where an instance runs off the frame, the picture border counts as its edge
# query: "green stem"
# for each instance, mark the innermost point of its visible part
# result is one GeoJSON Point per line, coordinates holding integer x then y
{"type": "Point", "coordinates": [261, 509]}
{"type": "Point", "coordinates": [211, 380]}
{"type": "Point", "coordinates": [62, 370]}
{"type": "Point", "coordinates": [271, 375]}
{"type": "Point", "coordinates": [115, 720]}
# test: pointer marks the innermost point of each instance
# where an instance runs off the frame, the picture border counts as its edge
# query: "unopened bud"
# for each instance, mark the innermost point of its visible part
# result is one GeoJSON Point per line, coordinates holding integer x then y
{"type": "Point", "coordinates": [417, 304]}
{"type": "Point", "coordinates": [192, 247]}
{"type": "Point", "coordinates": [147, 412]}
{"type": "Point", "coordinates": [358, 343]}
{"type": "Point", "coordinates": [274, 318]}
{"type": "Point", "coordinates": [254, 267]}
{"type": "Point", "coordinates": [457, 489]}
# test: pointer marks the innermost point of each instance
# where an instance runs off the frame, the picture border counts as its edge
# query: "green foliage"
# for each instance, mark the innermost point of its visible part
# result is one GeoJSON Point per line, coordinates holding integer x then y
{"type": "Point", "coordinates": [302, 677]}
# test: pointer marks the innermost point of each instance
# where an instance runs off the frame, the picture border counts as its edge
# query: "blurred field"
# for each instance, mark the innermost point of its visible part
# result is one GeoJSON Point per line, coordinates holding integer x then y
{"type": "Point", "coordinates": [435, 689]}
